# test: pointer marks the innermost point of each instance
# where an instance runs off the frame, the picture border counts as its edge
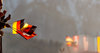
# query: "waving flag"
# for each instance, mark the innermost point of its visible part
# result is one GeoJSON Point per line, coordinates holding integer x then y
{"type": "Point", "coordinates": [24, 29]}
{"type": "Point", "coordinates": [69, 41]}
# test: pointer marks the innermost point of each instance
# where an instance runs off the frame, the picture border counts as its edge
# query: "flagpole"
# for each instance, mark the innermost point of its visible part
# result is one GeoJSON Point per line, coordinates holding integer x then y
{"type": "Point", "coordinates": [1, 34]}
{"type": "Point", "coordinates": [0, 44]}
{"type": "Point", "coordinates": [1, 4]}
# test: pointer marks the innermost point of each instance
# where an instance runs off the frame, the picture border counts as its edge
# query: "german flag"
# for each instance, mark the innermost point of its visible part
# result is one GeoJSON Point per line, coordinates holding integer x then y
{"type": "Point", "coordinates": [17, 26]}
{"type": "Point", "coordinates": [24, 29]}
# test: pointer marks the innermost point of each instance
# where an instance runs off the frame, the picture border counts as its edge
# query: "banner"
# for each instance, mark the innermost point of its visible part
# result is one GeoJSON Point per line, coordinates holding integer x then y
{"type": "Point", "coordinates": [85, 42]}
{"type": "Point", "coordinates": [76, 42]}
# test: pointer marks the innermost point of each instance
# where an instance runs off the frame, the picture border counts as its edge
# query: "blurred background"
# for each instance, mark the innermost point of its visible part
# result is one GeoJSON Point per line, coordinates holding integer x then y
{"type": "Point", "coordinates": [55, 19]}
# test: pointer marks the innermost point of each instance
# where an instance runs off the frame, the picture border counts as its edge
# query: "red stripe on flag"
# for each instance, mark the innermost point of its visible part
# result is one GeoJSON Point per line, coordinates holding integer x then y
{"type": "Point", "coordinates": [18, 25]}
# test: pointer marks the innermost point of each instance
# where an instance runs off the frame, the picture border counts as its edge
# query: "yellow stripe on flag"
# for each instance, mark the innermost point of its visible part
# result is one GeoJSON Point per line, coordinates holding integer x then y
{"type": "Point", "coordinates": [14, 28]}
{"type": "Point", "coordinates": [98, 44]}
